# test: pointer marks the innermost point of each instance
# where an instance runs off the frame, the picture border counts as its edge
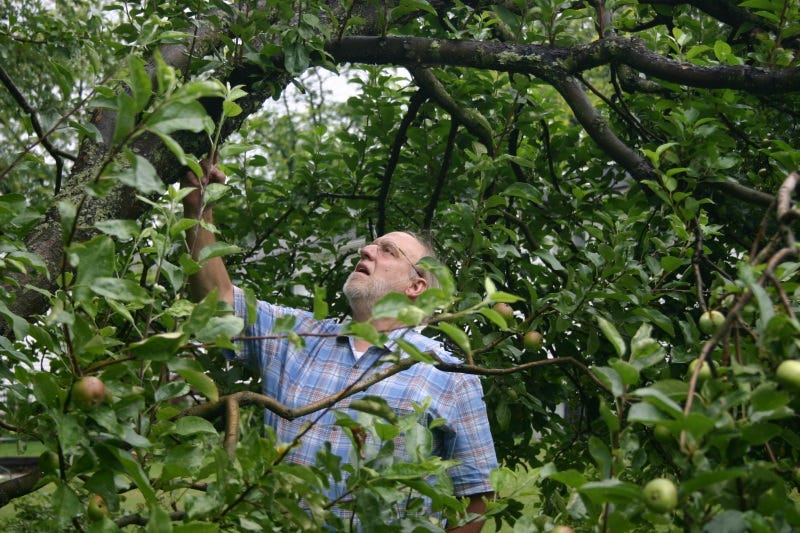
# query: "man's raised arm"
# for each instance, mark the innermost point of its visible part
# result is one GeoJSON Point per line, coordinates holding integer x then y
{"type": "Point", "coordinates": [213, 275]}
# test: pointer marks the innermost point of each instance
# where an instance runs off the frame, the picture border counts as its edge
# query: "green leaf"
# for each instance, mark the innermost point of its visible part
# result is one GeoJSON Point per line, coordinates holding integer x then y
{"type": "Point", "coordinates": [628, 372]}
{"type": "Point", "coordinates": [171, 390]}
{"type": "Point", "coordinates": [414, 352]}
{"type": "Point", "coordinates": [601, 455]}
{"type": "Point", "coordinates": [194, 90]}
{"type": "Point", "coordinates": [122, 229]}
{"type": "Point", "coordinates": [320, 302]}
{"type": "Point", "coordinates": [220, 329]}
{"type": "Point", "coordinates": [550, 259]}
{"type": "Point", "coordinates": [374, 405]}
{"type": "Point", "coordinates": [442, 274]}
{"type": "Point", "coordinates": [660, 400]}
{"type": "Point", "coordinates": [193, 425]}
{"type": "Point", "coordinates": [67, 213]}
{"type": "Point", "coordinates": [201, 382]}
{"type": "Point", "coordinates": [18, 324]}
{"type": "Point", "coordinates": [125, 122]}
{"type": "Point", "coordinates": [295, 58]}
{"type": "Point", "coordinates": [646, 413]}
{"type": "Point", "coordinates": [456, 334]}
{"type": "Point", "coordinates": [612, 335]}
{"type": "Point", "coordinates": [159, 347]}
{"type": "Point", "coordinates": [218, 249]}
{"type": "Point", "coordinates": [525, 191]}
{"type": "Point", "coordinates": [571, 478]}
{"type": "Point", "coordinates": [141, 175]}
{"type": "Point", "coordinates": [610, 379]}
{"type": "Point", "coordinates": [494, 317]}
{"type": "Point", "coordinates": [765, 307]}
{"type": "Point", "coordinates": [390, 305]}
{"type": "Point", "coordinates": [159, 521]}
{"type": "Point", "coordinates": [123, 290]}
{"type": "Point", "coordinates": [139, 82]}
{"type": "Point", "coordinates": [93, 259]}
{"type": "Point", "coordinates": [365, 331]}
{"type": "Point", "coordinates": [706, 479]}
{"type": "Point", "coordinates": [611, 490]}
{"type": "Point", "coordinates": [201, 314]}
{"type": "Point", "coordinates": [66, 504]}
{"type": "Point", "coordinates": [179, 115]}
{"type": "Point", "coordinates": [504, 297]}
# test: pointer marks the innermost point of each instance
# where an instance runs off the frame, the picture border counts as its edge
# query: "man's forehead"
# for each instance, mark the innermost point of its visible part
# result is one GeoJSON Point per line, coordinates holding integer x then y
{"type": "Point", "coordinates": [407, 242]}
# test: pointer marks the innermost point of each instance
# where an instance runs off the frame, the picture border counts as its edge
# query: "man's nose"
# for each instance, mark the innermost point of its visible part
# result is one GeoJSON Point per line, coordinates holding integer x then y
{"type": "Point", "coordinates": [368, 251]}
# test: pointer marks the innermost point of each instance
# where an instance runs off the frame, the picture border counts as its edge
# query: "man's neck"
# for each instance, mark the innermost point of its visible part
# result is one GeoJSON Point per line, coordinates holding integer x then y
{"type": "Point", "coordinates": [383, 325]}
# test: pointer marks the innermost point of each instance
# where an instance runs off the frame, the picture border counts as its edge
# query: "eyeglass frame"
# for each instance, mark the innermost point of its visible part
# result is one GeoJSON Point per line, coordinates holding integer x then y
{"type": "Point", "coordinates": [387, 246]}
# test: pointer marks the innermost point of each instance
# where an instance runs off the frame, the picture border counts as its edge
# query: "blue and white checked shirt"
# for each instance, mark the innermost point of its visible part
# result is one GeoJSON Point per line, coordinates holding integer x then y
{"type": "Point", "coordinates": [326, 365]}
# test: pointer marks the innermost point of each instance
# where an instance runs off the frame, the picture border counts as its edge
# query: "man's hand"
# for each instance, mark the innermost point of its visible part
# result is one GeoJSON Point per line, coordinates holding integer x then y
{"type": "Point", "coordinates": [193, 202]}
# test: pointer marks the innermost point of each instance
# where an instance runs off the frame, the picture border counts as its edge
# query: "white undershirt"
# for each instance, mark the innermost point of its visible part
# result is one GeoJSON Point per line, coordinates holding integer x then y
{"type": "Point", "coordinates": [357, 354]}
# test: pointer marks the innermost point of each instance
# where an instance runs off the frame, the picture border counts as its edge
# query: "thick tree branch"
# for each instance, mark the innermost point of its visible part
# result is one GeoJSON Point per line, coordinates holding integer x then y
{"type": "Point", "coordinates": [599, 130]}
{"type": "Point", "coordinates": [475, 123]}
{"type": "Point", "coordinates": [548, 62]}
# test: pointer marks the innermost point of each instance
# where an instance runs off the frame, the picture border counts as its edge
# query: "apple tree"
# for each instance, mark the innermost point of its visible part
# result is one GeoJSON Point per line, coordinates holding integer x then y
{"type": "Point", "coordinates": [611, 186]}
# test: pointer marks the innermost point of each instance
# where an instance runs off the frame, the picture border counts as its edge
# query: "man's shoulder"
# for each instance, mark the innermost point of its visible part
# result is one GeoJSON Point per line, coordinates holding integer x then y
{"type": "Point", "coordinates": [302, 318]}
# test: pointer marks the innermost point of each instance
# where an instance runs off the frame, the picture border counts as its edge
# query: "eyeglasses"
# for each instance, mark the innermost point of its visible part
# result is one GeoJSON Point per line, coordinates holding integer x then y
{"type": "Point", "coordinates": [388, 248]}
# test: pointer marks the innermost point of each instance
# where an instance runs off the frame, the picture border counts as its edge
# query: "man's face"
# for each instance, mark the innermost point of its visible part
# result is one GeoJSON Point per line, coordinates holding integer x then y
{"type": "Point", "coordinates": [386, 265]}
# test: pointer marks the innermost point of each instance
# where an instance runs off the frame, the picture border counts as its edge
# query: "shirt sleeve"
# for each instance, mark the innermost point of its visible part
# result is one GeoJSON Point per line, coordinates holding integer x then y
{"type": "Point", "coordinates": [257, 341]}
{"type": "Point", "coordinates": [472, 443]}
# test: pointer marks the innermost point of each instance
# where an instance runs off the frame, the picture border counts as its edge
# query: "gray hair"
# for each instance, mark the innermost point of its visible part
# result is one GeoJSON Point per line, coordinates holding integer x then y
{"type": "Point", "coordinates": [428, 251]}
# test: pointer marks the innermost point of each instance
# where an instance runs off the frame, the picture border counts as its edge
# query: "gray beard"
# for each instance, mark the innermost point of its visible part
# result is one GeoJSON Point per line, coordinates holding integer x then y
{"type": "Point", "coordinates": [364, 293]}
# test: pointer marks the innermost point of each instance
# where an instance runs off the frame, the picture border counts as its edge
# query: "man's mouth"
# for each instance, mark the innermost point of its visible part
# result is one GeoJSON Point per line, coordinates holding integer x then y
{"type": "Point", "coordinates": [361, 268]}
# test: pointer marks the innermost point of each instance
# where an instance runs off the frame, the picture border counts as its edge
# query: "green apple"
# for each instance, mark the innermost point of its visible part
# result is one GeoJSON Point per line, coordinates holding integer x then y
{"type": "Point", "coordinates": [48, 462]}
{"type": "Point", "coordinates": [660, 495]}
{"type": "Point", "coordinates": [97, 507]}
{"type": "Point", "coordinates": [562, 529]}
{"type": "Point", "coordinates": [532, 340]}
{"type": "Point", "coordinates": [89, 392]}
{"type": "Point", "coordinates": [710, 321]}
{"type": "Point", "coordinates": [505, 311]}
{"type": "Point", "coordinates": [788, 374]}
{"type": "Point", "coordinates": [705, 371]}
{"type": "Point", "coordinates": [662, 433]}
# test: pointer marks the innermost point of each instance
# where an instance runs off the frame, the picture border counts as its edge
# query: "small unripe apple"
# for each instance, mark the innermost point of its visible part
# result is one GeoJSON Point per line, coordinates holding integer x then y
{"type": "Point", "coordinates": [660, 495]}
{"type": "Point", "coordinates": [705, 371]}
{"type": "Point", "coordinates": [89, 392]}
{"type": "Point", "coordinates": [788, 374]}
{"type": "Point", "coordinates": [562, 529]}
{"type": "Point", "coordinates": [97, 507]}
{"type": "Point", "coordinates": [710, 321]}
{"type": "Point", "coordinates": [662, 433]}
{"type": "Point", "coordinates": [532, 340]}
{"type": "Point", "coordinates": [48, 462]}
{"type": "Point", "coordinates": [505, 311]}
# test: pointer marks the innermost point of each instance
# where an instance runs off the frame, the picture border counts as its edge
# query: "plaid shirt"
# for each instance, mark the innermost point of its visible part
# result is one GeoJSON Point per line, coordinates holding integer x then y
{"type": "Point", "coordinates": [326, 365]}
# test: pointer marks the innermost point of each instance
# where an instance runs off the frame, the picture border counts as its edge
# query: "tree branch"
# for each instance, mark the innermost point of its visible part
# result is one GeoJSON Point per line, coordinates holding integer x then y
{"type": "Point", "coordinates": [475, 123]}
{"type": "Point", "coordinates": [549, 62]}
{"type": "Point", "coordinates": [430, 210]}
{"type": "Point", "coordinates": [383, 196]}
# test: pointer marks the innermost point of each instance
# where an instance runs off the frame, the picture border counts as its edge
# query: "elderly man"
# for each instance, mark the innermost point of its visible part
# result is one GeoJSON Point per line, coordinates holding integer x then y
{"type": "Point", "coordinates": [330, 362]}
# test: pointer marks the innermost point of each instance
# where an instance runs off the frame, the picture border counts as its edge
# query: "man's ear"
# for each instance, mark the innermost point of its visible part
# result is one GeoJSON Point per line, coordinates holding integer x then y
{"type": "Point", "coordinates": [416, 287]}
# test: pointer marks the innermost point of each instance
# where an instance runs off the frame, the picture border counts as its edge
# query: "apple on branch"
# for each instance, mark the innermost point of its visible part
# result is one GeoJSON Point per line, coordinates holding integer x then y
{"type": "Point", "coordinates": [89, 392]}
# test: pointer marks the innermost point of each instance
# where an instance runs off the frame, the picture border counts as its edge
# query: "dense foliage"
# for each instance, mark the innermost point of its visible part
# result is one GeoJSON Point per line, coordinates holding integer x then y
{"type": "Point", "coordinates": [611, 170]}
